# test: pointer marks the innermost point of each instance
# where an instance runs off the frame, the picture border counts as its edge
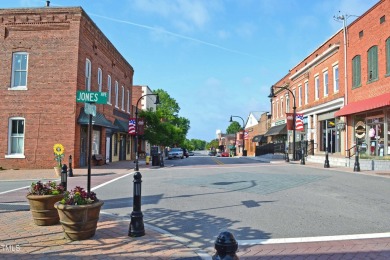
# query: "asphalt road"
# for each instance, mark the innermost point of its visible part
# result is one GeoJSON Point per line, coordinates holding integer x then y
{"type": "Point", "coordinates": [253, 200]}
{"type": "Point", "coordinates": [198, 197]}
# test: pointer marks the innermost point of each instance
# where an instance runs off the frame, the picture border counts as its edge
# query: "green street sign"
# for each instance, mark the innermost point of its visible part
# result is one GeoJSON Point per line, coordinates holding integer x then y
{"type": "Point", "coordinates": [91, 97]}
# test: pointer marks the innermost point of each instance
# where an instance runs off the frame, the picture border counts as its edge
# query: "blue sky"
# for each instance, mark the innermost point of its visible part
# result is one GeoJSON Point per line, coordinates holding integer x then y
{"type": "Point", "coordinates": [216, 58]}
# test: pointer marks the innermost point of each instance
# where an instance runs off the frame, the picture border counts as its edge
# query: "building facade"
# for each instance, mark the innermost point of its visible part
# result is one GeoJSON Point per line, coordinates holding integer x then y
{"type": "Point", "coordinates": [48, 54]}
{"type": "Point", "coordinates": [342, 89]}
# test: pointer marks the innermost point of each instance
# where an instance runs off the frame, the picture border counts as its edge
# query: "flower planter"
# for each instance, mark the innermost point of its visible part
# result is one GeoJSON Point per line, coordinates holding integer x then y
{"type": "Point", "coordinates": [79, 222]}
{"type": "Point", "coordinates": [42, 209]}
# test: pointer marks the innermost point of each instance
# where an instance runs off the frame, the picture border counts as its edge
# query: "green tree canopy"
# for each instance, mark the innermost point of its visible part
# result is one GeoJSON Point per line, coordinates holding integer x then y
{"type": "Point", "coordinates": [233, 128]}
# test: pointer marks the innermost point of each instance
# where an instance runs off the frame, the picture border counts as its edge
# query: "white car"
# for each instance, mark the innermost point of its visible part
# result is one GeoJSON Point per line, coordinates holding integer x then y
{"type": "Point", "coordinates": [175, 153]}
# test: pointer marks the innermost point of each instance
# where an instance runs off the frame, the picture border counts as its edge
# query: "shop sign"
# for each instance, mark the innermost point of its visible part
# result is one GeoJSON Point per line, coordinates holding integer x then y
{"type": "Point", "coordinates": [360, 130]}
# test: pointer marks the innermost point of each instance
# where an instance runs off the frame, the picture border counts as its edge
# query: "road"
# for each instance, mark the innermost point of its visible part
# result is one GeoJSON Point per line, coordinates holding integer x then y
{"type": "Point", "coordinates": [198, 197]}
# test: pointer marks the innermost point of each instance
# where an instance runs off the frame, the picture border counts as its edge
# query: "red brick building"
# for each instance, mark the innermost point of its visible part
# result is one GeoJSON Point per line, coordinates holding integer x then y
{"type": "Point", "coordinates": [343, 103]}
{"type": "Point", "coordinates": [367, 108]}
{"type": "Point", "coordinates": [47, 55]}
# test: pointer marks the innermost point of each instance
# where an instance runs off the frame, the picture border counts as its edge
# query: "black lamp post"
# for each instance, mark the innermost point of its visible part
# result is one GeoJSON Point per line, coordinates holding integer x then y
{"type": "Point", "coordinates": [136, 126]}
{"type": "Point", "coordinates": [243, 137]}
{"type": "Point", "coordinates": [272, 95]}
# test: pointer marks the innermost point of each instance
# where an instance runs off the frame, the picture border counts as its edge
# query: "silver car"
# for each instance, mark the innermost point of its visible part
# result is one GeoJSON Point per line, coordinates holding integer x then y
{"type": "Point", "coordinates": [175, 153]}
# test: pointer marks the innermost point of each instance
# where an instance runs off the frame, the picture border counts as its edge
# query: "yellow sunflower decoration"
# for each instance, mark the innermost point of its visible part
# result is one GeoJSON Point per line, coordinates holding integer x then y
{"type": "Point", "coordinates": [59, 153]}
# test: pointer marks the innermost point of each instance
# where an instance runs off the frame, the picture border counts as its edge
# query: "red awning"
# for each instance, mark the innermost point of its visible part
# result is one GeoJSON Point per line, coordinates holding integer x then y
{"type": "Point", "coordinates": [364, 105]}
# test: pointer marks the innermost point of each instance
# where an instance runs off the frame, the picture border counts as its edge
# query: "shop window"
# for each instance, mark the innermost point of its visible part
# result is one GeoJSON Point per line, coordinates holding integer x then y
{"type": "Point", "coordinates": [96, 142]}
{"type": "Point", "coordinates": [115, 145]}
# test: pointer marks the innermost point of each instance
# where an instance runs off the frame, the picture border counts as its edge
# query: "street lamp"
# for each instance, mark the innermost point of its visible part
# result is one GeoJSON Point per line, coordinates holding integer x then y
{"type": "Point", "coordinates": [136, 228]}
{"type": "Point", "coordinates": [272, 95]}
{"type": "Point", "coordinates": [243, 138]}
{"type": "Point", "coordinates": [136, 126]}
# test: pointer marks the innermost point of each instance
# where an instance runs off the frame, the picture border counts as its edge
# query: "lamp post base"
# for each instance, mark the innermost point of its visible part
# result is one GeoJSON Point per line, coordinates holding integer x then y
{"type": "Point", "coordinates": [136, 228]}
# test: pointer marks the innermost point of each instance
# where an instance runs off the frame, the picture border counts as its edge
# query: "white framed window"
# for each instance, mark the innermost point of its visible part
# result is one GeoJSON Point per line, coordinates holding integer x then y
{"type": "Point", "coordinates": [326, 82]}
{"type": "Point", "coordinates": [123, 98]}
{"type": "Point", "coordinates": [295, 95]}
{"type": "Point", "coordinates": [300, 95]}
{"type": "Point", "coordinates": [287, 104]}
{"type": "Point", "coordinates": [281, 106]}
{"type": "Point", "coordinates": [15, 138]}
{"type": "Point", "coordinates": [336, 86]}
{"type": "Point", "coordinates": [307, 92]}
{"type": "Point", "coordinates": [277, 109]}
{"type": "Point", "coordinates": [109, 89]}
{"type": "Point", "coordinates": [87, 75]}
{"type": "Point", "coordinates": [99, 79]}
{"type": "Point", "coordinates": [273, 110]}
{"type": "Point", "coordinates": [317, 87]}
{"type": "Point", "coordinates": [116, 94]}
{"type": "Point", "coordinates": [19, 70]}
{"type": "Point", "coordinates": [128, 101]}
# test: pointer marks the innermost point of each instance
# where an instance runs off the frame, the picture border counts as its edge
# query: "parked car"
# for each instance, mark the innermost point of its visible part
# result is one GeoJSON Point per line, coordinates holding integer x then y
{"type": "Point", "coordinates": [225, 154]}
{"type": "Point", "coordinates": [185, 152]}
{"type": "Point", "coordinates": [175, 153]}
{"type": "Point", "coordinates": [191, 153]}
{"type": "Point", "coordinates": [213, 153]}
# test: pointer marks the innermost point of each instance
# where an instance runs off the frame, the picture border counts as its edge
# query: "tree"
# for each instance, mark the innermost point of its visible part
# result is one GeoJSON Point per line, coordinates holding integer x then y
{"type": "Point", "coordinates": [233, 128]}
{"type": "Point", "coordinates": [213, 144]}
{"type": "Point", "coordinates": [164, 126]}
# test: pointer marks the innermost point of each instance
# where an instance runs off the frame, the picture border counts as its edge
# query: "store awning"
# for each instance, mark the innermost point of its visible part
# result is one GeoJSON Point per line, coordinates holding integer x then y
{"type": "Point", "coordinates": [277, 130]}
{"type": "Point", "coordinates": [259, 138]}
{"type": "Point", "coordinates": [99, 120]}
{"type": "Point", "coordinates": [365, 105]}
{"type": "Point", "coordinates": [122, 125]}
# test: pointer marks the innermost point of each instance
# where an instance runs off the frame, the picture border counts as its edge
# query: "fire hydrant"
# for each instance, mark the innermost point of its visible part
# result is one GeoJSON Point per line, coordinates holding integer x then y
{"type": "Point", "coordinates": [226, 247]}
{"type": "Point", "coordinates": [147, 159]}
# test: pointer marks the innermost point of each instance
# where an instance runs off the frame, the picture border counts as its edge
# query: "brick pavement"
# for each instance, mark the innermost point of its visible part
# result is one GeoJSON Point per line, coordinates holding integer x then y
{"type": "Point", "coordinates": [20, 238]}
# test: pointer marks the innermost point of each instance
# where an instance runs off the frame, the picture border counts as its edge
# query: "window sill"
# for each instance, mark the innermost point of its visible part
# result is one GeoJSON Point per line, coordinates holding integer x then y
{"type": "Point", "coordinates": [371, 81]}
{"type": "Point", "coordinates": [18, 88]}
{"type": "Point", "coordinates": [15, 156]}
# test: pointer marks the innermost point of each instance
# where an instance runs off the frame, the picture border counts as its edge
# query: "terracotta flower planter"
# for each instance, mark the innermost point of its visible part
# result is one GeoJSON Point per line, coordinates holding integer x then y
{"type": "Point", "coordinates": [79, 222]}
{"type": "Point", "coordinates": [42, 209]}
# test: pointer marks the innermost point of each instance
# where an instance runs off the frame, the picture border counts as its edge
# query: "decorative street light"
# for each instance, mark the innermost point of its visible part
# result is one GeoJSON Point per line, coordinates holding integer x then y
{"type": "Point", "coordinates": [272, 95]}
{"type": "Point", "coordinates": [136, 228]}
{"type": "Point", "coordinates": [243, 137]}
{"type": "Point", "coordinates": [136, 126]}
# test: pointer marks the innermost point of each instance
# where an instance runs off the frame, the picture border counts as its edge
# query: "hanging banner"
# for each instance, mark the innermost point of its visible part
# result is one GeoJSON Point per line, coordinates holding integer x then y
{"type": "Point", "coordinates": [290, 121]}
{"type": "Point", "coordinates": [141, 126]}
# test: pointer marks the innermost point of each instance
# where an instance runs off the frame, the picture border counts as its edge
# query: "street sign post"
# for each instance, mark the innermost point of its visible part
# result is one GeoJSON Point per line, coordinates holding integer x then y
{"type": "Point", "coordinates": [91, 97]}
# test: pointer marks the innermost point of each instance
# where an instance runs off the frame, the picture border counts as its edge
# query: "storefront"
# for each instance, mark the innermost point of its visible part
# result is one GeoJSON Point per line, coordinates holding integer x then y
{"type": "Point", "coordinates": [371, 132]}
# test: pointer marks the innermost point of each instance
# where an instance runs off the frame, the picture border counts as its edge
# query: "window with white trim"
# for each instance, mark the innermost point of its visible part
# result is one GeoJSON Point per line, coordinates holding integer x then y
{"type": "Point", "coordinates": [109, 89]}
{"type": "Point", "coordinates": [116, 94]}
{"type": "Point", "coordinates": [123, 98]}
{"type": "Point", "coordinates": [307, 92]}
{"type": "Point", "coordinates": [128, 101]}
{"type": "Point", "coordinates": [317, 87]}
{"type": "Point", "coordinates": [87, 75]}
{"type": "Point", "coordinates": [16, 137]}
{"type": "Point", "coordinates": [300, 95]}
{"type": "Point", "coordinates": [99, 79]}
{"type": "Point", "coordinates": [273, 110]}
{"type": "Point", "coordinates": [326, 81]}
{"type": "Point", "coordinates": [277, 108]}
{"type": "Point", "coordinates": [19, 70]}
{"type": "Point", "coordinates": [281, 106]}
{"type": "Point", "coordinates": [336, 86]}
{"type": "Point", "coordinates": [287, 104]}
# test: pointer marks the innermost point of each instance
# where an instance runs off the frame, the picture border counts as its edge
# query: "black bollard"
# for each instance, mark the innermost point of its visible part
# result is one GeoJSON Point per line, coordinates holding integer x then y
{"type": "Point", "coordinates": [70, 170]}
{"type": "Point", "coordinates": [64, 176]}
{"type": "Point", "coordinates": [226, 247]}
{"type": "Point", "coordinates": [287, 156]}
{"type": "Point", "coordinates": [356, 167]}
{"type": "Point", "coordinates": [136, 228]}
{"type": "Point", "coordinates": [326, 165]}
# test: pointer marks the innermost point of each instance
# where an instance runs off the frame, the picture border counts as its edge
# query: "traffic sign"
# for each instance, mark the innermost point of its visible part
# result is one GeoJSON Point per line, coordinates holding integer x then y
{"type": "Point", "coordinates": [90, 109]}
{"type": "Point", "coordinates": [91, 97]}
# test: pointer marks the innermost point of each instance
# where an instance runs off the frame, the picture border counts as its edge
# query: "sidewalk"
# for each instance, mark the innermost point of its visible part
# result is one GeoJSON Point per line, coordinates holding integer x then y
{"type": "Point", "coordinates": [21, 238]}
